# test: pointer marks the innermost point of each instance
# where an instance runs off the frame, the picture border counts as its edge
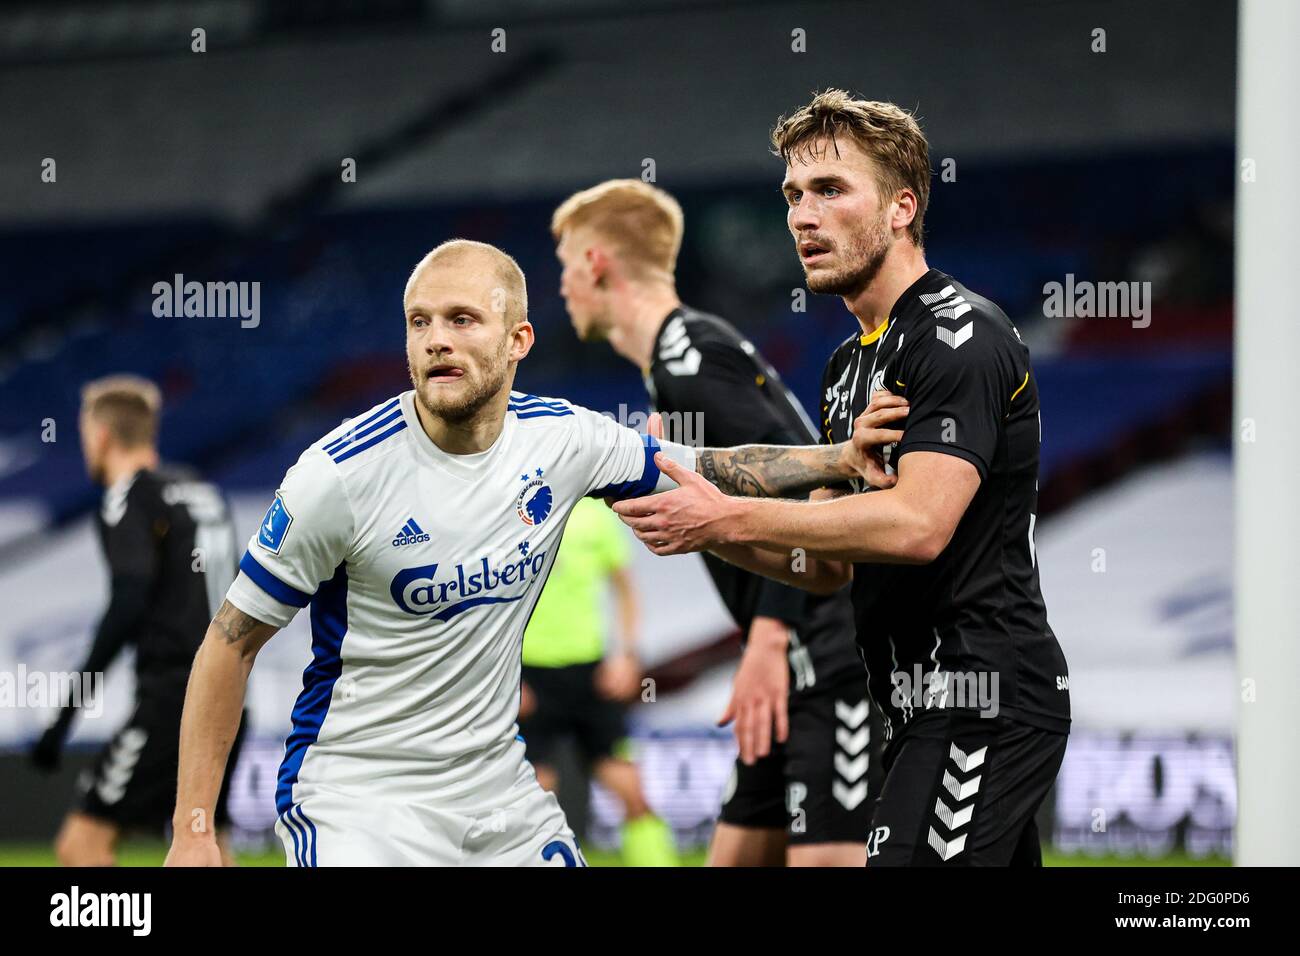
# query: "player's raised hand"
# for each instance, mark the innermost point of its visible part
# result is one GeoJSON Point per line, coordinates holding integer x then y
{"type": "Point", "coordinates": [692, 517]}
{"type": "Point", "coordinates": [760, 692]}
{"type": "Point", "coordinates": [870, 436]}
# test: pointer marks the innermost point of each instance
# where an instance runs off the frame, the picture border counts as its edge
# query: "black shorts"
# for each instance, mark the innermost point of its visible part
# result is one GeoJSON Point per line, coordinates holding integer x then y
{"type": "Point", "coordinates": [133, 781]}
{"type": "Point", "coordinates": [962, 790]}
{"type": "Point", "coordinates": [569, 706]}
{"type": "Point", "coordinates": [821, 784]}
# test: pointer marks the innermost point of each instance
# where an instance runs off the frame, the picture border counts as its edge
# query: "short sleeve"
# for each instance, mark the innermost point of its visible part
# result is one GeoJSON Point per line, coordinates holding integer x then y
{"type": "Point", "coordinates": [722, 385]}
{"type": "Point", "coordinates": [957, 397]}
{"type": "Point", "coordinates": [621, 461]}
{"type": "Point", "coordinates": [301, 541]}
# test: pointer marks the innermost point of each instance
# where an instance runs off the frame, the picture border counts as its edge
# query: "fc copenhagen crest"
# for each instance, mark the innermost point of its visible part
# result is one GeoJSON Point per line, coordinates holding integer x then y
{"type": "Point", "coordinates": [535, 499]}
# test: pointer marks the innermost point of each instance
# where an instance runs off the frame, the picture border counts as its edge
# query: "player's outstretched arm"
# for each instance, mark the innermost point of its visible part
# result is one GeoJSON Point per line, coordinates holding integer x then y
{"type": "Point", "coordinates": [214, 701]}
{"type": "Point", "coordinates": [781, 471]}
{"type": "Point", "coordinates": [908, 524]}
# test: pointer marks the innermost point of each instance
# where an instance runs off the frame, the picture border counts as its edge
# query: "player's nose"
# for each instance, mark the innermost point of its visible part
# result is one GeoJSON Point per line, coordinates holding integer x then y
{"type": "Point", "coordinates": [803, 218]}
{"type": "Point", "coordinates": [437, 341]}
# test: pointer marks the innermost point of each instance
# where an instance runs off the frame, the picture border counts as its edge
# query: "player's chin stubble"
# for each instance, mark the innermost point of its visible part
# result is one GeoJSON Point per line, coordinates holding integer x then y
{"type": "Point", "coordinates": [867, 253]}
{"type": "Point", "coordinates": [478, 390]}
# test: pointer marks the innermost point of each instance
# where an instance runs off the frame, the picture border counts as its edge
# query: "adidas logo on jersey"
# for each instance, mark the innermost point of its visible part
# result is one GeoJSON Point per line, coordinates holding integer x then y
{"type": "Point", "coordinates": [411, 533]}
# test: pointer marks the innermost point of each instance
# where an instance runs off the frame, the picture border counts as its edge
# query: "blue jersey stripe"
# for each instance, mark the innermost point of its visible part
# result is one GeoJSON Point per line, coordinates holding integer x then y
{"type": "Point", "coordinates": [356, 436]}
{"type": "Point", "coordinates": [539, 412]}
{"type": "Point", "coordinates": [309, 853]}
{"type": "Point", "coordinates": [638, 487]}
{"type": "Point", "coordinates": [538, 403]}
{"type": "Point", "coordinates": [291, 826]}
{"type": "Point", "coordinates": [329, 622]}
{"type": "Point", "coordinates": [523, 398]}
{"type": "Point", "coordinates": [268, 582]}
{"type": "Point", "coordinates": [351, 433]}
{"type": "Point", "coordinates": [370, 442]}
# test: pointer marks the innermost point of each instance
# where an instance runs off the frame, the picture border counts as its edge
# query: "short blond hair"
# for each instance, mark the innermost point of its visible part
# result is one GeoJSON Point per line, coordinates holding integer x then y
{"type": "Point", "coordinates": [887, 133]}
{"type": "Point", "coordinates": [127, 404]}
{"type": "Point", "coordinates": [508, 274]}
{"type": "Point", "coordinates": [642, 223]}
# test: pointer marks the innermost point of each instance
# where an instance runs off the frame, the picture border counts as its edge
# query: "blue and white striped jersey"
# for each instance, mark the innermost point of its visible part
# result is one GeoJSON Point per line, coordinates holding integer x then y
{"type": "Point", "coordinates": [421, 569]}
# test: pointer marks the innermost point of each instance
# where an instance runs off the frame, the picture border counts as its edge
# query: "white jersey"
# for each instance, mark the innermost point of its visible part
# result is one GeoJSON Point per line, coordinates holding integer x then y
{"type": "Point", "coordinates": [421, 569]}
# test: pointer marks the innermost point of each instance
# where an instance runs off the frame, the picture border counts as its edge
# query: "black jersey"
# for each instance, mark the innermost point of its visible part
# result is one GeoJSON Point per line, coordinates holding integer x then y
{"type": "Point", "coordinates": [975, 616]}
{"type": "Point", "coordinates": [170, 548]}
{"type": "Point", "coordinates": [717, 390]}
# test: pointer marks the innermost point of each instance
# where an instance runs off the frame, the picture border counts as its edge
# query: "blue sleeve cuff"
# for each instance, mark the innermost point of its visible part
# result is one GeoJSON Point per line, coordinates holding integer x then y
{"type": "Point", "coordinates": [639, 487]}
{"type": "Point", "coordinates": [268, 582]}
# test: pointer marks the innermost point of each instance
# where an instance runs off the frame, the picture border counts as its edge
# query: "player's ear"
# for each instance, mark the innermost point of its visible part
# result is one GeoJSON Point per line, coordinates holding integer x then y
{"type": "Point", "coordinates": [521, 341]}
{"type": "Point", "coordinates": [904, 209]}
{"type": "Point", "coordinates": [599, 263]}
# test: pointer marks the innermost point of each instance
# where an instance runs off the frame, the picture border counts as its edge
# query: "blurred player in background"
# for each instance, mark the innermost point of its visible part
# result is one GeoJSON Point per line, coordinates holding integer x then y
{"type": "Point", "coordinates": [803, 786]}
{"type": "Point", "coordinates": [170, 549]}
{"type": "Point", "coordinates": [574, 688]}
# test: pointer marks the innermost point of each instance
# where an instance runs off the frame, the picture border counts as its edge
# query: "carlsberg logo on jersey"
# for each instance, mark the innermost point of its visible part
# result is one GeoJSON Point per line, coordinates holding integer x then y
{"type": "Point", "coordinates": [423, 590]}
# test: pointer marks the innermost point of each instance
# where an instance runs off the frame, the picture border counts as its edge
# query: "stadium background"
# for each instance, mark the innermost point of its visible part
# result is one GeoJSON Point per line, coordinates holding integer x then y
{"type": "Point", "coordinates": [1053, 158]}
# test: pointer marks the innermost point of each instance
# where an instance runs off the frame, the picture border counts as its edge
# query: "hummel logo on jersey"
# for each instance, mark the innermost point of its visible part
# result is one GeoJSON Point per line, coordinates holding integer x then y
{"type": "Point", "coordinates": [948, 304]}
{"type": "Point", "coordinates": [411, 533]}
{"type": "Point", "coordinates": [679, 356]}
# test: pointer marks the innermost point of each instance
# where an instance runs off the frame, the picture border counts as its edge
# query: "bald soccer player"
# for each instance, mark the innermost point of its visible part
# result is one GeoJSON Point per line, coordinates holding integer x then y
{"type": "Point", "coordinates": [420, 534]}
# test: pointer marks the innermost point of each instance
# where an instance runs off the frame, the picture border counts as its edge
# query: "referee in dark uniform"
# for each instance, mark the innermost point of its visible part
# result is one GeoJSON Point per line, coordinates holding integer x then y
{"type": "Point", "coordinates": [972, 681]}
{"type": "Point", "coordinates": [171, 553]}
{"type": "Point", "coordinates": [802, 789]}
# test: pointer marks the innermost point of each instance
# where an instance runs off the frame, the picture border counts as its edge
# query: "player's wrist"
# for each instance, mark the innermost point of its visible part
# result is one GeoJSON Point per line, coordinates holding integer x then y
{"type": "Point", "coordinates": [737, 523]}
{"type": "Point", "coordinates": [769, 635]}
{"type": "Point", "coordinates": [186, 828]}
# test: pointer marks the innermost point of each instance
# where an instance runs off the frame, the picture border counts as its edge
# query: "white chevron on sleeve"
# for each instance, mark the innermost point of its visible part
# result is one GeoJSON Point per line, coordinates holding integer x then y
{"type": "Point", "coordinates": [955, 339]}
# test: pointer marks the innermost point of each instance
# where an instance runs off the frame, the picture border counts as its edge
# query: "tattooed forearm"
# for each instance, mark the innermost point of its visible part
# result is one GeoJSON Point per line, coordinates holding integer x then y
{"type": "Point", "coordinates": [771, 471]}
{"type": "Point", "coordinates": [237, 628]}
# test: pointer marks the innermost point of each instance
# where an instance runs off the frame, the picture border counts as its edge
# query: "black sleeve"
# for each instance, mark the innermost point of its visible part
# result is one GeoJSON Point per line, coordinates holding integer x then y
{"type": "Point", "coordinates": [131, 548]}
{"type": "Point", "coordinates": [723, 387]}
{"type": "Point", "coordinates": [957, 397]}
{"type": "Point", "coordinates": [781, 601]}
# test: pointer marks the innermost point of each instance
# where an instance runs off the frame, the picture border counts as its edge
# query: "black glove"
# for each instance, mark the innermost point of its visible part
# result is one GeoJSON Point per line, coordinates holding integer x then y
{"type": "Point", "coordinates": [48, 751]}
